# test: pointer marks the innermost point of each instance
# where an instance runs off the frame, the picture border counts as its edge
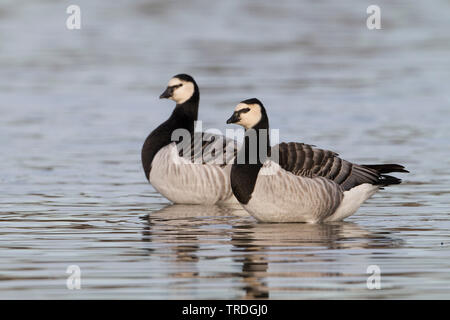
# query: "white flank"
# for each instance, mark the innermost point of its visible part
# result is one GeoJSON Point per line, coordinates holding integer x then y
{"type": "Point", "coordinates": [352, 200]}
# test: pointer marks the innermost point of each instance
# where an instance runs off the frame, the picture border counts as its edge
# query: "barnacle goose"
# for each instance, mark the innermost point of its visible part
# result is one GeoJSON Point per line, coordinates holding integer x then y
{"type": "Point", "coordinates": [193, 169]}
{"type": "Point", "coordinates": [306, 184]}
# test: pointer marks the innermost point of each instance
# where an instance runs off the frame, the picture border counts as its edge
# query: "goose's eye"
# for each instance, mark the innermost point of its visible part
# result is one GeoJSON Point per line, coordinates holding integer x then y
{"type": "Point", "coordinates": [245, 110]}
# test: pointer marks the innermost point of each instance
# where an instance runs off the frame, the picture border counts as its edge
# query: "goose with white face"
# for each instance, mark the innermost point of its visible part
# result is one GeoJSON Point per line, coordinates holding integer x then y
{"type": "Point", "coordinates": [305, 184]}
{"type": "Point", "coordinates": [178, 90]}
{"type": "Point", "coordinates": [170, 165]}
{"type": "Point", "coordinates": [246, 115]}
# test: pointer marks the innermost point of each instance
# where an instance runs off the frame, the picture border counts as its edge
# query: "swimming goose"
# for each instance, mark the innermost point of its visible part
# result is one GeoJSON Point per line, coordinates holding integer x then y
{"type": "Point", "coordinates": [192, 169]}
{"type": "Point", "coordinates": [306, 184]}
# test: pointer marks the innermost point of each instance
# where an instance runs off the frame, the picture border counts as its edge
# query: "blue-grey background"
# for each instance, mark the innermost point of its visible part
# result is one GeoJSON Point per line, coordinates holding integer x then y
{"type": "Point", "coordinates": [76, 106]}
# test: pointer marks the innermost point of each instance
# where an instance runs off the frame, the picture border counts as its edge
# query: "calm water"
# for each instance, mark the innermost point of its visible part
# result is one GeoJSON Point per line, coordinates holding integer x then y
{"type": "Point", "coordinates": [76, 106]}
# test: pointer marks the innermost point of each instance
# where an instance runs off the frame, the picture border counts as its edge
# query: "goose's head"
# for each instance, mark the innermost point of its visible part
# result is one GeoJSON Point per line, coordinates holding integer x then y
{"type": "Point", "coordinates": [180, 89]}
{"type": "Point", "coordinates": [248, 113]}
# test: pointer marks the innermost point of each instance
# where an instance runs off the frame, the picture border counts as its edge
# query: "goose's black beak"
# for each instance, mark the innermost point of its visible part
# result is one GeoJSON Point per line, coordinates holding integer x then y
{"type": "Point", "coordinates": [167, 93]}
{"type": "Point", "coordinates": [234, 118]}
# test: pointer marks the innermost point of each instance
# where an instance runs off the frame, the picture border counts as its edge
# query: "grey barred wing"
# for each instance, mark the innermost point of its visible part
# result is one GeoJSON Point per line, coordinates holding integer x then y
{"type": "Point", "coordinates": [305, 160]}
{"type": "Point", "coordinates": [208, 148]}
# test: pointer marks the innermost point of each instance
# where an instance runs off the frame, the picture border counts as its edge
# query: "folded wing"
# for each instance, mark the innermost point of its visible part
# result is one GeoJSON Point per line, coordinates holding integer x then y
{"type": "Point", "coordinates": [305, 160]}
{"type": "Point", "coordinates": [208, 148]}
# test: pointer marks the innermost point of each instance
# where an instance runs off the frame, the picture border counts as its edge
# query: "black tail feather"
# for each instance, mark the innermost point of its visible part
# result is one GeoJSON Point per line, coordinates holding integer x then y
{"type": "Point", "coordinates": [381, 169]}
{"type": "Point", "coordinates": [386, 180]}
{"type": "Point", "coordinates": [386, 168]}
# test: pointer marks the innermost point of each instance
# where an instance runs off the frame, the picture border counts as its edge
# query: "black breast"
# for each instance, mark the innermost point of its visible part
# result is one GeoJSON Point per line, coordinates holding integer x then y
{"type": "Point", "coordinates": [243, 179]}
{"type": "Point", "coordinates": [159, 138]}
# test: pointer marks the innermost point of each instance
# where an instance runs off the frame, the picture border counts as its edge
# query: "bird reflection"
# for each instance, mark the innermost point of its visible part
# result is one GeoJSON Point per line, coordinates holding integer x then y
{"type": "Point", "coordinates": [293, 244]}
{"type": "Point", "coordinates": [188, 213]}
{"type": "Point", "coordinates": [179, 227]}
{"type": "Point", "coordinates": [195, 234]}
{"type": "Point", "coordinates": [184, 223]}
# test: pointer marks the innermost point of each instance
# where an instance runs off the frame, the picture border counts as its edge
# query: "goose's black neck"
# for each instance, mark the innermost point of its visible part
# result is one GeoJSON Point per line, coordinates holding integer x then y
{"type": "Point", "coordinates": [254, 152]}
{"type": "Point", "coordinates": [183, 117]}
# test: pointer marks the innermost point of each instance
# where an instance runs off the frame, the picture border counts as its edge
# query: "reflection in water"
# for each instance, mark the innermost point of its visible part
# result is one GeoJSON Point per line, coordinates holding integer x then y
{"type": "Point", "coordinates": [292, 242]}
{"type": "Point", "coordinates": [179, 223]}
{"type": "Point", "coordinates": [254, 262]}
{"type": "Point", "coordinates": [75, 191]}
{"type": "Point", "coordinates": [255, 247]}
{"type": "Point", "coordinates": [192, 212]}
{"type": "Point", "coordinates": [186, 218]}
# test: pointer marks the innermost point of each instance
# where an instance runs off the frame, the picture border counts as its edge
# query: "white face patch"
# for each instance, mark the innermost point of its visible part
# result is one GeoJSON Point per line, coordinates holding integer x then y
{"type": "Point", "coordinates": [183, 92]}
{"type": "Point", "coordinates": [250, 118]}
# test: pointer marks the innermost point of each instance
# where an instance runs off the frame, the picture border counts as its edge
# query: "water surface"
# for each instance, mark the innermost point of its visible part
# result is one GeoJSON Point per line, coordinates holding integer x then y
{"type": "Point", "coordinates": [76, 107]}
